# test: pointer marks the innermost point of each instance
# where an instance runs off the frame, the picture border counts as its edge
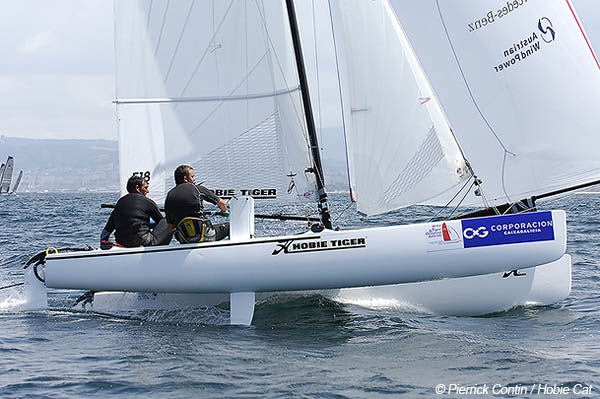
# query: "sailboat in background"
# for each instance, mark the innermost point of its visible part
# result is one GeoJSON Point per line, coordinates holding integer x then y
{"type": "Point", "coordinates": [224, 87]}
{"type": "Point", "coordinates": [16, 186]}
{"type": "Point", "coordinates": [6, 177]}
{"type": "Point", "coordinates": [6, 173]}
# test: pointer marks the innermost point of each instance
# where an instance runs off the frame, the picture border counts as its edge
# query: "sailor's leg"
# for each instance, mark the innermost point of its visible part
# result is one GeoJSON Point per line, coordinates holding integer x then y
{"type": "Point", "coordinates": [221, 230]}
{"type": "Point", "coordinates": [161, 235]}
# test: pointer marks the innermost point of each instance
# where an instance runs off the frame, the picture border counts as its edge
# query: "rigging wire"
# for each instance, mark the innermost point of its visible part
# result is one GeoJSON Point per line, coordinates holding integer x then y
{"type": "Point", "coordinates": [206, 50]}
{"type": "Point", "coordinates": [294, 107]}
{"type": "Point", "coordinates": [452, 199]}
{"type": "Point", "coordinates": [11, 286]}
{"type": "Point", "coordinates": [220, 104]}
{"type": "Point", "coordinates": [162, 27]}
{"type": "Point", "coordinates": [339, 82]}
{"type": "Point", "coordinates": [340, 214]}
{"type": "Point", "coordinates": [149, 13]}
{"type": "Point", "coordinates": [314, 23]}
{"type": "Point", "coordinates": [299, 118]}
{"type": "Point", "coordinates": [187, 18]}
{"type": "Point", "coordinates": [461, 201]}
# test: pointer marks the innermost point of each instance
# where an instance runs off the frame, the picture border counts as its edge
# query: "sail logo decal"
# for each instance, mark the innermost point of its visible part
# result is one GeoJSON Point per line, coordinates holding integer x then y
{"type": "Point", "coordinates": [469, 232]}
{"type": "Point", "coordinates": [509, 229]}
{"type": "Point", "coordinates": [492, 16]}
{"type": "Point", "coordinates": [311, 245]}
{"type": "Point", "coordinates": [515, 273]}
{"type": "Point", "coordinates": [443, 236]}
{"type": "Point", "coordinates": [527, 46]}
{"type": "Point", "coordinates": [545, 26]}
{"type": "Point", "coordinates": [256, 193]}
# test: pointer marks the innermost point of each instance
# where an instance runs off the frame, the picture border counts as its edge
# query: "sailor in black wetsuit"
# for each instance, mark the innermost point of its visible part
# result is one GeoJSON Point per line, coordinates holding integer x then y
{"type": "Point", "coordinates": [131, 219]}
{"type": "Point", "coordinates": [184, 201]}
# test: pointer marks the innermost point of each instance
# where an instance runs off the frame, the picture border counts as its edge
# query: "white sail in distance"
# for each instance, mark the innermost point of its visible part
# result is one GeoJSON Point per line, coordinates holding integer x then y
{"type": "Point", "coordinates": [519, 83]}
{"type": "Point", "coordinates": [212, 84]}
{"type": "Point", "coordinates": [400, 147]}
{"type": "Point", "coordinates": [7, 175]}
{"type": "Point", "coordinates": [16, 186]}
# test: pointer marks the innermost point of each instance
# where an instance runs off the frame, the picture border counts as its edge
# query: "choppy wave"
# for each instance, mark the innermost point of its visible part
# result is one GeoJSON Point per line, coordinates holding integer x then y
{"type": "Point", "coordinates": [298, 346]}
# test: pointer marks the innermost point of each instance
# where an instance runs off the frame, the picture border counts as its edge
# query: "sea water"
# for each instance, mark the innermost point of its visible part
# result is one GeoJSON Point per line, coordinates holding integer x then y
{"type": "Point", "coordinates": [308, 347]}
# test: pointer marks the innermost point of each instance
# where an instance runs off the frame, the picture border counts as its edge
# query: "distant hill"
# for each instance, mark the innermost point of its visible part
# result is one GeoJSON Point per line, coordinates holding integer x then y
{"type": "Point", "coordinates": [93, 165]}
{"type": "Point", "coordinates": [63, 165]}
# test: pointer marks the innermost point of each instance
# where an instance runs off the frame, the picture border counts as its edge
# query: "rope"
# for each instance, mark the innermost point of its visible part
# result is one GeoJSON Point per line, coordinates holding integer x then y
{"type": "Point", "coordinates": [452, 199]}
{"type": "Point", "coordinates": [11, 286]}
{"type": "Point", "coordinates": [341, 213]}
{"type": "Point", "coordinates": [460, 202]}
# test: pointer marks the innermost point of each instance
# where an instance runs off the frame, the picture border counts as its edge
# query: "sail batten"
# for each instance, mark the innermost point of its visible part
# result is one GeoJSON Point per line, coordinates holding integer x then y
{"type": "Point", "coordinates": [205, 99]}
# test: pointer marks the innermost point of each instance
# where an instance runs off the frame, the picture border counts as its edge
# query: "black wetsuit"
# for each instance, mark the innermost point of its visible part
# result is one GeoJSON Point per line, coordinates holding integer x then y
{"type": "Point", "coordinates": [185, 200]}
{"type": "Point", "coordinates": [130, 220]}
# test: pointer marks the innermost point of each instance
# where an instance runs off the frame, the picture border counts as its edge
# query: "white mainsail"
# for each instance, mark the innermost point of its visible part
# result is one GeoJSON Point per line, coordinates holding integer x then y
{"type": "Point", "coordinates": [400, 147]}
{"type": "Point", "coordinates": [519, 83]}
{"type": "Point", "coordinates": [213, 84]}
{"type": "Point", "coordinates": [7, 175]}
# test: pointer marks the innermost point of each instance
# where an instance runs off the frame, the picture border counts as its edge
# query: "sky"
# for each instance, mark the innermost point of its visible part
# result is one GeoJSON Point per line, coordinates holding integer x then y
{"type": "Point", "coordinates": [57, 67]}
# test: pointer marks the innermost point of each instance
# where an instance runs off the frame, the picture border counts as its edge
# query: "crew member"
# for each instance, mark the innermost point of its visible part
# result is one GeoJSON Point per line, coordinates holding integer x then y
{"type": "Point", "coordinates": [130, 220]}
{"type": "Point", "coordinates": [185, 210]}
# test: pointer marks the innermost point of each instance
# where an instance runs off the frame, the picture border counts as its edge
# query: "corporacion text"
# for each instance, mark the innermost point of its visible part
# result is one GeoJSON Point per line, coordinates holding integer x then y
{"type": "Point", "coordinates": [534, 389]}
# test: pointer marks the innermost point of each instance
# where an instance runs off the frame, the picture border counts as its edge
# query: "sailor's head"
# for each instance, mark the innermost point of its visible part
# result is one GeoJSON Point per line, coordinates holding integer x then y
{"type": "Point", "coordinates": [137, 184]}
{"type": "Point", "coordinates": [184, 174]}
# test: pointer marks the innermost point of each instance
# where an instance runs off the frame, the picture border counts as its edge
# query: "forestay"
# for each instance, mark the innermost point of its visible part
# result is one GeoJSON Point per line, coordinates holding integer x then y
{"type": "Point", "coordinates": [520, 85]}
{"type": "Point", "coordinates": [400, 147]}
{"type": "Point", "coordinates": [213, 84]}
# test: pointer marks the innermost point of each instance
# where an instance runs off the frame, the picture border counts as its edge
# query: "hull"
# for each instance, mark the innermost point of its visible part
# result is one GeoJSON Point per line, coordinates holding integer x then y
{"type": "Point", "coordinates": [467, 296]}
{"type": "Point", "coordinates": [331, 259]}
{"type": "Point", "coordinates": [470, 296]}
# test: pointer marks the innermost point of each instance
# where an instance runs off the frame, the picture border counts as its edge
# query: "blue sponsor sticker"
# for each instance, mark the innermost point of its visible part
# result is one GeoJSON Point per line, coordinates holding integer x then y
{"type": "Point", "coordinates": [508, 229]}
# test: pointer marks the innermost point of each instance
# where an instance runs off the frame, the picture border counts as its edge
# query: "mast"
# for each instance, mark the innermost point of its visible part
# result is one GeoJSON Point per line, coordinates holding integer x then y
{"type": "Point", "coordinates": [310, 122]}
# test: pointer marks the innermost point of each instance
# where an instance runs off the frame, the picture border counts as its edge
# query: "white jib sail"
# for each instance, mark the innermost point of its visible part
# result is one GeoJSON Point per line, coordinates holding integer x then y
{"type": "Point", "coordinates": [519, 83]}
{"type": "Point", "coordinates": [400, 148]}
{"type": "Point", "coordinates": [212, 84]}
{"type": "Point", "coordinates": [7, 175]}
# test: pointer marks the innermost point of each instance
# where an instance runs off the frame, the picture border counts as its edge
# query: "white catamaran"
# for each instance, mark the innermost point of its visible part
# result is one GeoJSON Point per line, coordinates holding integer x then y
{"type": "Point", "coordinates": [222, 86]}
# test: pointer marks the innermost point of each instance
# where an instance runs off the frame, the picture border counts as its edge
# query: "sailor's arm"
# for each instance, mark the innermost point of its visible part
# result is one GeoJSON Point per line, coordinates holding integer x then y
{"type": "Point", "coordinates": [211, 197]}
{"type": "Point", "coordinates": [154, 212]}
{"type": "Point", "coordinates": [222, 205]}
{"type": "Point", "coordinates": [108, 228]}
